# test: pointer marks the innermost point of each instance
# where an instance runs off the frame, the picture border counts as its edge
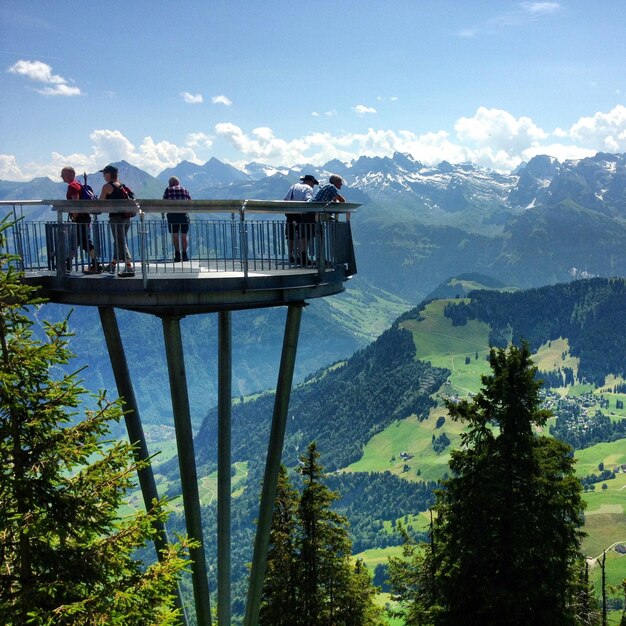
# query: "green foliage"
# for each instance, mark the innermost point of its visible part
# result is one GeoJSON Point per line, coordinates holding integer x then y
{"type": "Point", "coordinates": [505, 546]}
{"type": "Point", "coordinates": [590, 313]}
{"type": "Point", "coordinates": [280, 584]}
{"type": "Point", "coordinates": [65, 557]}
{"type": "Point", "coordinates": [582, 431]}
{"type": "Point", "coordinates": [310, 579]}
{"type": "Point", "coordinates": [379, 384]}
{"type": "Point", "coordinates": [441, 443]}
{"type": "Point", "coordinates": [411, 579]}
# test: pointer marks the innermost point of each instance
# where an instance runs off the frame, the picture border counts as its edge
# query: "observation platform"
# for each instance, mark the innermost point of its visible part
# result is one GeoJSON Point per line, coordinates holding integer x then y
{"type": "Point", "coordinates": [242, 254]}
{"type": "Point", "coordinates": [239, 252]}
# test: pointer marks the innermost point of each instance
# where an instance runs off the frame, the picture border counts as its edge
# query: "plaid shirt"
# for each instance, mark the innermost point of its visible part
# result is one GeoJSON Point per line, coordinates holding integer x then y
{"type": "Point", "coordinates": [326, 193]}
{"type": "Point", "coordinates": [176, 193]}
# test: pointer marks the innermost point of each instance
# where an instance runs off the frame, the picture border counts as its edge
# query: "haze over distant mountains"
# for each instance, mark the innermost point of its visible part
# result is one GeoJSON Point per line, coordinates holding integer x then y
{"type": "Point", "coordinates": [546, 222]}
{"type": "Point", "coordinates": [597, 182]}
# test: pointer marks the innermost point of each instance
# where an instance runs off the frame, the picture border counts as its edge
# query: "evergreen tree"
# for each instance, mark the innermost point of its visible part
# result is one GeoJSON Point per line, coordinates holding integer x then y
{"type": "Point", "coordinates": [324, 545]}
{"type": "Point", "coordinates": [359, 609]}
{"type": "Point", "coordinates": [310, 578]}
{"type": "Point", "coordinates": [506, 540]}
{"type": "Point", "coordinates": [65, 556]}
{"type": "Point", "coordinates": [278, 605]}
{"type": "Point", "coordinates": [411, 582]}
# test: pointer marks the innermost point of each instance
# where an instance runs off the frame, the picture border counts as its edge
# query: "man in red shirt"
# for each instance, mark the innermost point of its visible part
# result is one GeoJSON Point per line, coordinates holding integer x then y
{"type": "Point", "coordinates": [80, 232]}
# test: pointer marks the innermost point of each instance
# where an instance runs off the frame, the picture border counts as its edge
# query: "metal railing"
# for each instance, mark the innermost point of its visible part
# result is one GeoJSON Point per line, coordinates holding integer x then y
{"type": "Point", "coordinates": [251, 239]}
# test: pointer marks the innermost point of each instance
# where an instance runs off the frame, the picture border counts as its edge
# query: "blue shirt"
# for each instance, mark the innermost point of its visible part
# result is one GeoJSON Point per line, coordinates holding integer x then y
{"type": "Point", "coordinates": [300, 192]}
{"type": "Point", "coordinates": [326, 193]}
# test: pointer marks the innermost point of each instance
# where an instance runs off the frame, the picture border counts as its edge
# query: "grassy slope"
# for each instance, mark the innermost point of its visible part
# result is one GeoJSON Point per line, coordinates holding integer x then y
{"type": "Point", "coordinates": [436, 340]}
{"type": "Point", "coordinates": [447, 346]}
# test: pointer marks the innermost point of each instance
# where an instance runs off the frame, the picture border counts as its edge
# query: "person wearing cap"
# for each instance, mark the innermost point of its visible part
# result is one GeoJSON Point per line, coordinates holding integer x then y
{"type": "Point", "coordinates": [119, 222]}
{"type": "Point", "coordinates": [297, 222]}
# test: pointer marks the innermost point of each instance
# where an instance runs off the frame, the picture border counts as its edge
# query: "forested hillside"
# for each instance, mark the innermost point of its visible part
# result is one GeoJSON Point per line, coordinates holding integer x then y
{"type": "Point", "coordinates": [341, 407]}
{"type": "Point", "coordinates": [591, 314]}
{"type": "Point", "coordinates": [351, 404]}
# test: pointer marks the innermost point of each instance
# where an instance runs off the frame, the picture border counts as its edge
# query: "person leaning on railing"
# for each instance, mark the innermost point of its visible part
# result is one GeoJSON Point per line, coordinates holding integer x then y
{"type": "Point", "coordinates": [297, 224]}
{"type": "Point", "coordinates": [119, 222]}
{"type": "Point", "coordinates": [329, 192]}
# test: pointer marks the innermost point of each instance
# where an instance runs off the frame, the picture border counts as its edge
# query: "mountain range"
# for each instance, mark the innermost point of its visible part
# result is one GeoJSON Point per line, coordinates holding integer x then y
{"type": "Point", "coordinates": [545, 222]}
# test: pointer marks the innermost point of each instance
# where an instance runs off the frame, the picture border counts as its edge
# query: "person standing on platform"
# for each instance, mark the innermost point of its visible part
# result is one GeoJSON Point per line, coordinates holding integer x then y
{"type": "Point", "coordinates": [297, 222]}
{"type": "Point", "coordinates": [80, 232]}
{"type": "Point", "coordinates": [329, 192]}
{"type": "Point", "coordinates": [177, 223]}
{"type": "Point", "coordinates": [119, 222]}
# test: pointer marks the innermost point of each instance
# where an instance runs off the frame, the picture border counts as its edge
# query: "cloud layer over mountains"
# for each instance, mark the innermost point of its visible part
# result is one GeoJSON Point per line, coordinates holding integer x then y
{"type": "Point", "coordinates": [491, 138]}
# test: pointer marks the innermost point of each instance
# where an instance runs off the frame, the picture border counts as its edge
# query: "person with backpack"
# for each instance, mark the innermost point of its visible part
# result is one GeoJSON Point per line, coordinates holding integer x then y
{"type": "Point", "coordinates": [118, 221]}
{"type": "Point", "coordinates": [80, 236]}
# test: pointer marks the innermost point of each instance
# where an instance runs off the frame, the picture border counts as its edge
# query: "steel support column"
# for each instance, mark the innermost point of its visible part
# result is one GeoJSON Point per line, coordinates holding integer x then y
{"type": "Point", "coordinates": [187, 463]}
{"type": "Point", "coordinates": [134, 428]}
{"type": "Point", "coordinates": [224, 464]}
{"type": "Point", "coordinates": [272, 463]}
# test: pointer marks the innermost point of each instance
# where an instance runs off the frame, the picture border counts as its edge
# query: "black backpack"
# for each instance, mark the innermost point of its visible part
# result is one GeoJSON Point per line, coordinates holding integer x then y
{"type": "Point", "coordinates": [123, 193]}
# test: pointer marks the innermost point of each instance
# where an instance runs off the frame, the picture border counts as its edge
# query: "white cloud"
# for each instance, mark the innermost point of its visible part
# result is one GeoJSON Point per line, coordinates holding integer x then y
{"type": "Point", "coordinates": [9, 169]}
{"type": "Point", "coordinates": [151, 156]}
{"type": "Point", "coordinates": [190, 98]}
{"type": "Point", "coordinates": [109, 146]}
{"type": "Point", "coordinates": [60, 90]}
{"type": "Point", "coordinates": [491, 138]}
{"type": "Point", "coordinates": [525, 13]}
{"type": "Point", "coordinates": [361, 109]}
{"type": "Point", "coordinates": [199, 140]}
{"type": "Point", "coordinates": [541, 8]}
{"type": "Point", "coordinates": [498, 129]}
{"type": "Point", "coordinates": [37, 71]}
{"type": "Point", "coordinates": [221, 99]}
{"type": "Point", "coordinates": [559, 151]}
{"type": "Point", "coordinates": [603, 131]}
{"type": "Point", "coordinates": [41, 72]}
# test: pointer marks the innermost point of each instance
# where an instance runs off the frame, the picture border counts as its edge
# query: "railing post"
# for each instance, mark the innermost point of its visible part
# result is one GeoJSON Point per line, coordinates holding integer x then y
{"type": "Point", "coordinates": [19, 244]}
{"type": "Point", "coordinates": [243, 241]}
{"type": "Point", "coordinates": [97, 250]}
{"type": "Point", "coordinates": [319, 243]}
{"type": "Point", "coordinates": [61, 246]}
{"type": "Point", "coordinates": [143, 247]}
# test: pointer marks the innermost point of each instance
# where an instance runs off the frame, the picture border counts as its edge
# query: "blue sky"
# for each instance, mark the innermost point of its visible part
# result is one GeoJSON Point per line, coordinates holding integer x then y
{"type": "Point", "coordinates": [281, 83]}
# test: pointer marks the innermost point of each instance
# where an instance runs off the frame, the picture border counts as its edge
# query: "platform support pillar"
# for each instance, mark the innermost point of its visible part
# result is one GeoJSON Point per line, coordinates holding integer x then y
{"type": "Point", "coordinates": [134, 428]}
{"type": "Point", "coordinates": [187, 463]}
{"type": "Point", "coordinates": [224, 465]}
{"type": "Point", "coordinates": [272, 463]}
